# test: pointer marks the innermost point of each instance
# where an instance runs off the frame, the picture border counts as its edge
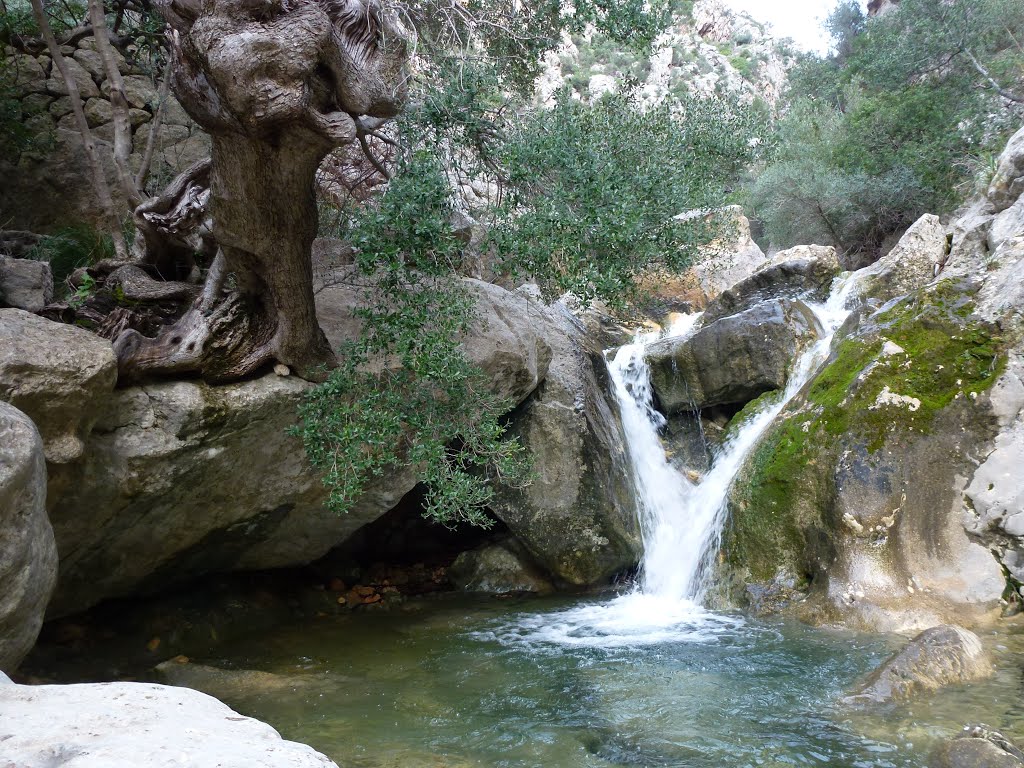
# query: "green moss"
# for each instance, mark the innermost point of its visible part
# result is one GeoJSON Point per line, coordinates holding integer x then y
{"type": "Point", "coordinates": [784, 490]}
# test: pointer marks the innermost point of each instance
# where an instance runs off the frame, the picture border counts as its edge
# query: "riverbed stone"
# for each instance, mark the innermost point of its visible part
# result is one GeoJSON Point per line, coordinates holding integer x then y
{"type": "Point", "coordinates": [731, 257]}
{"type": "Point", "coordinates": [937, 657]}
{"type": "Point", "coordinates": [732, 360]}
{"type": "Point", "coordinates": [498, 569]}
{"type": "Point", "coordinates": [28, 555]}
{"type": "Point", "coordinates": [59, 375]}
{"type": "Point", "coordinates": [124, 725]}
{"type": "Point", "coordinates": [977, 746]}
{"type": "Point", "coordinates": [912, 264]}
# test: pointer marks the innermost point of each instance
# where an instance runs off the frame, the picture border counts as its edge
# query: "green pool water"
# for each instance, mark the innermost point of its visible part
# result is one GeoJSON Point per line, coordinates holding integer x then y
{"type": "Point", "coordinates": [524, 683]}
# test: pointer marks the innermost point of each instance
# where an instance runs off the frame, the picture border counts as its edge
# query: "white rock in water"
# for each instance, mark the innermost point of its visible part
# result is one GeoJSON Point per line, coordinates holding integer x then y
{"type": "Point", "coordinates": [127, 725]}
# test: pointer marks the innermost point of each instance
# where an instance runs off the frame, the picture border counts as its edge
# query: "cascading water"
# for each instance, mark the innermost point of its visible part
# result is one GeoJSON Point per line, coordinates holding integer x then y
{"type": "Point", "coordinates": [681, 521]}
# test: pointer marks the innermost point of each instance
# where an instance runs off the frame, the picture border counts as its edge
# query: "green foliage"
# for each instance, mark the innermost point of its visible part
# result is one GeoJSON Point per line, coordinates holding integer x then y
{"type": "Point", "coordinates": [404, 393]}
{"type": "Point", "coordinates": [71, 248]}
{"type": "Point", "coordinates": [594, 190]}
{"type": "Point", "coordinates": [878, 131]}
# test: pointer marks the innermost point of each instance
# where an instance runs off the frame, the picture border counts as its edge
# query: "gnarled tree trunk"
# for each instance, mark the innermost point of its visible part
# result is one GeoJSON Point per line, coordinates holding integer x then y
{"type": "Point", "coordinates": [278, 84]}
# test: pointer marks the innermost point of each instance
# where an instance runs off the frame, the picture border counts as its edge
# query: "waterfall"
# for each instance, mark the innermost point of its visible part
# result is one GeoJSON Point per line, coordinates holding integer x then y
{"type": "Point", "coordinates": [681, 521]}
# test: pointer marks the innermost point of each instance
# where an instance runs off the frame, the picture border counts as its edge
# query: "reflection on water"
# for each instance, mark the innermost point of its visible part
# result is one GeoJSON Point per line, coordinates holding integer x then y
{"type": "Point", "coordinates": [524, 684]}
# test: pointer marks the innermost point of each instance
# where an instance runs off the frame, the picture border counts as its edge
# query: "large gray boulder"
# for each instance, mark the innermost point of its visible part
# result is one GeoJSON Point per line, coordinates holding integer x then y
{"type": "Point", "coordinates": [732, 360]}
{"type": "Point", "coordinates": [25, 284]}
{"type": "Point", "coordinates": [497, 569]}
{"type": "Point", "coordinates": [180, 479]}
{"type": "Point", "coordinates": [28, 555]}
{"type": "Point", "coordinates": [125, 725]}
{"type": "Point", "coordinates": [578, 517]}
{"type": "Point", "coordinates": [61, 376]}
{"type": "Point", "coordinates": [732, 257]}
{"type": "Point", "coordinates": [937, 657]}
{"type": "Point", "coordinates": [806, 271]}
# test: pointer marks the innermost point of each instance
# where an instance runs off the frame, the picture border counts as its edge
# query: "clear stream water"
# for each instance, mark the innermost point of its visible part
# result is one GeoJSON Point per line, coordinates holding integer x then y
{"type": "Point", "coordinates": [648, 678]}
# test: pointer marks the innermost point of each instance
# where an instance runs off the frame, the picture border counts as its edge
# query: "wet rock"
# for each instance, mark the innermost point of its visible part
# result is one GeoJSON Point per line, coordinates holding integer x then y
{"type": "Point", "coordinates": [124, 725]}
{"type": "Point", "coordinates": [938, 657]}
{"type": "Point", "coordinates": [977, 746]}
{"type": "Point", "coordinates": [732, 360]}
{"type": "Point", "coordinates": [28, 555]}
{"type": "Point", "coordinates": [25, 284]}
{"type": "Point", "coordinates": [59, 375]}
{"type": "Point", "coordinates": [577, 519]}
{"type": "Point", "coordinates": [806, 271]}
{"type": "Point", "coordinates": [497, 569]}
{"type": "Point", "coordinates": [233, 685]}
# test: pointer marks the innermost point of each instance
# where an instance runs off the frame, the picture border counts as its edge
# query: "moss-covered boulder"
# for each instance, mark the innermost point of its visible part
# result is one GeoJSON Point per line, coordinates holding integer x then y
{"type": "Point", "coordinates": [857, 489]}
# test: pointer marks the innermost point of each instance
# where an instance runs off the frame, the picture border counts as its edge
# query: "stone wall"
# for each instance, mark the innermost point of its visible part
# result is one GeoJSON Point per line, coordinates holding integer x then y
{"type": "Point", "coordinates": [47, 187]}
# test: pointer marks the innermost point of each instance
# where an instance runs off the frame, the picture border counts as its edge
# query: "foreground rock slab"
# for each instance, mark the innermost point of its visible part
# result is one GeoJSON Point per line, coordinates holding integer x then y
{"type": "Point", "coordinates": [938, 657]}
{"type": "Point", "coordinates": [978, 746]}
{"type": "Point", "coordinates": [126, 725]}
{"type": "Point", "coordinates": [28, 555]}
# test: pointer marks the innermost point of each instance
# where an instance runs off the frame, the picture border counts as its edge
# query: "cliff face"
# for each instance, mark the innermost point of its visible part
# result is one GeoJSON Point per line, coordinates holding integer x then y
{"type": "Point", "coordinates": [710, 51]}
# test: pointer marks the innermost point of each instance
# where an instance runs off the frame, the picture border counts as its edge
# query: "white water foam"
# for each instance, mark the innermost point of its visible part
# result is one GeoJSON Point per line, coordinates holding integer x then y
{"type": "Point", "coordinates": [681, 521]}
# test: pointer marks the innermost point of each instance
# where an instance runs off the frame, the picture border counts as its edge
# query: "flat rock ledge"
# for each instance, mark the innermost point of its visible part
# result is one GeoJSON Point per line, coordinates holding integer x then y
{"type": "Point", "coordinates": [126, 725]}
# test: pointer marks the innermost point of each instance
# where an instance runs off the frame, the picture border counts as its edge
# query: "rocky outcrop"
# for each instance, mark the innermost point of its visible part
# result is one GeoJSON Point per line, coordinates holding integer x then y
{"type": "Point", "coordinates": [977, 746]}
{"type": "Point", "coordinates": [912, 264]}
{"type": "Point", "coordinates": [497, 569]}
{"type": "Point", "coordinates": [937, 657]}
{"type": "Point", "coordinates": [28, 556]}
{"type": "Point", "coordinates": [25, 284]}
{"type": "Point", "coordinates": [180, 479]}
{"type": "Point", "coordinates": [889, 483]}
{"type": "Point", "coordinates": [806, 271]}
{"type": "Point", "coordinates": [59, 375]}
{"type": "Point", "coordinates": [1007, 185]}
{"type": "Point", "coordinates": [733, 256]}
{"type": "Point", "coordinates": [732, 360]}
{"type": "Point", "coordinates": [577, 518]}
{"type": "Point", "coordinates": [124, 725]}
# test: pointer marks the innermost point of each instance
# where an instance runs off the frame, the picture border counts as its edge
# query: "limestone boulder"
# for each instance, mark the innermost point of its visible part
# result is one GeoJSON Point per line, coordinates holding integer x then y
{"type": "Point", "coordinates": [912, 264]}
{"type": "Point", "coordinates": [940, 656]}
{"type": "Point", "coordinates": [806, 271]}
{"type": "Point", "coordinates": [977, 746]}
{"type": "Point", "coordinates": [61, 376]}
{"type": "Point", "coordinates": [1008, 183]}
{"type": "Point", "coordinates": [25, 284]}
{"type": "Point", "coordinates": [28, 556]}
{"type": "Point", "coordinates": [731, 257]}
{"type": "Point", "coordinates": [79, 74]}
{"type": "Point", "coordinates": [181, 479]}
{"type": "Point", "coordinates": [732, 360]}
{"type": "Point", "coordinates": [124, 725]}
{"type": "Point", "coordinates": [498, 569]}
{"type": "Point", "coordinates": [578, 517]}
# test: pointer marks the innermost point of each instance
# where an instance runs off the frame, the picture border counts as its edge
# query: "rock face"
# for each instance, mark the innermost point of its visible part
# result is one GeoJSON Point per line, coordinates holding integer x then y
{"type": "Point", "coordinates": [890, 482]}
{"type": "Point", "coordinates": [731, 258]}
{"type": "Point", "coordinates": [578, 517]}
{"type": "Point", "coordinates": [25, 284]}
{"type": "Point", "coordinates": [913, 263]}
{"type": "Point", "coordinates": [937, 657]}
{"type": "Point", "coordinates": [58, 374]}
{"type": "Point", "coordinates": [28, 555]}
{"type": "Point", "coordinates": [179, 479]}
{"type": "Point", "coordinates": [732, 360]}
{"type": "Point", "coordinates": [806, 271]}
{"type": "Point", "coordinates": [978, 746]}
{"type": "Point", "coordinates": [123, 725]}
{"type": "Point", "coordinates": [1007, 185]}
{"type": "Point", "coordinates": [497, 569]}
